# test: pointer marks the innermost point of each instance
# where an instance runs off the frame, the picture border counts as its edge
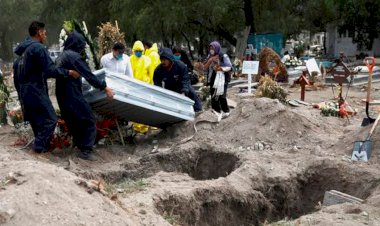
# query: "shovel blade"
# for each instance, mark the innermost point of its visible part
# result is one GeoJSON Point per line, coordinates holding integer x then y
{"type": "Point", "coordinates": [362, 151]}
{"type": "Point", "coordinates": [367, 121]}
{"type": "Point", "coordinates": [362, 156]}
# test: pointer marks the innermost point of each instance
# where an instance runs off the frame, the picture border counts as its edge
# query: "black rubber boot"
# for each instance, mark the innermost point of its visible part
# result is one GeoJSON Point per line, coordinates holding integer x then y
{"type": "Point", "coordinates": [87, 155]}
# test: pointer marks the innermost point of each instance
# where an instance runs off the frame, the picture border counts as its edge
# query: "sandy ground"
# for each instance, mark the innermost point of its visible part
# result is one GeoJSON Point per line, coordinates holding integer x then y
{"type": "Point", "coordinates": [267, 164]}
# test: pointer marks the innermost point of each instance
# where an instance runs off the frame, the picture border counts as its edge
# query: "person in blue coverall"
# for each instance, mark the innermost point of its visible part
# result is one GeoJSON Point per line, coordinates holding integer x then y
{"type": "Point", "coordinates": [75, 111]}
{"type": "Point", "coordinates": [32, 69]}
{"type": "Point", "coordinates": [174, 74]}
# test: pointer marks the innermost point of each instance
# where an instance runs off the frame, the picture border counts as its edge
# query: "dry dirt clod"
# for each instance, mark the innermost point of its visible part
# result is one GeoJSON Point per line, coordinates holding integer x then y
{"type": "Point", "coordinates": [12, 178]}
{"type": "Point", "coordinates": [6, 215]}
{"type": "Point", "coordinates": [142, 211]}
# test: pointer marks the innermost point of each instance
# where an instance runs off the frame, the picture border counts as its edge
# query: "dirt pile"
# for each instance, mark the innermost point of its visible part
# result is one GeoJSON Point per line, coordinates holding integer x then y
{"type": "Point", "coordinates": [35, 193]}
{"type": "Point", "coordinates": [267, 122]}
{"type": "Point", "coordinates": [265, 163]}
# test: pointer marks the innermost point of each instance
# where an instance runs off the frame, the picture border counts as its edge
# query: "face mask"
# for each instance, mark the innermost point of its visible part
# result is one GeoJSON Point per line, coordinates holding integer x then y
{"type": "Point", "coordinates": [212, 52]}
{"type": "Point", "coordinates": [138, 54]}
{"type": "Point", "coordinates": [119, 56]}
{"type": "Point", "coordinates": [177, 57]}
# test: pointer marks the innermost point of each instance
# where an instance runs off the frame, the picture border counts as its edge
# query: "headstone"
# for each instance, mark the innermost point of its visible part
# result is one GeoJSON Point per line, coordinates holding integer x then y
{"type": "Point", "coordinates": [303, 81]}
{"type": "Point", "coordinates": [312, 66]}
{"type": "Point", "coordinates": [250, 68]}
{"type": "Point", "coordinates": [334, 197]}
{"type": "Point", "coordinates": [340, 72]}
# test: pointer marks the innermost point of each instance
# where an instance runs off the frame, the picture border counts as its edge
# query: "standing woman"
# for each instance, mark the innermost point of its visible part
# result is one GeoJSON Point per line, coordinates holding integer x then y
{"type": "Point", "coordinates": [218, 62]}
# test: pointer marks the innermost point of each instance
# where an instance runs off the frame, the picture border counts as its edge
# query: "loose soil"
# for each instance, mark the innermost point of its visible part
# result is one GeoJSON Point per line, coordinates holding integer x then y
{"type": "Point", "coordinates": [266, 164]}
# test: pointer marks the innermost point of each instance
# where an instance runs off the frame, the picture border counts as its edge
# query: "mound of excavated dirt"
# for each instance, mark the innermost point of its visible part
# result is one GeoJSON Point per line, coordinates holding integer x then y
{"type": "Point", "coordinates": [267, 122]}
{"type": "Point", "coordinates": [36, 193]}
{"type": "Point", "coordinates": [265, 163]}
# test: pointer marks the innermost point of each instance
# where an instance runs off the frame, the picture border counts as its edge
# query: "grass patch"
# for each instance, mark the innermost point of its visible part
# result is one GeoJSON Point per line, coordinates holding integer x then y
{"type": "Point", "coordinates": [171, 218]}
{"type": "Point", "coordinates": [127, 186]}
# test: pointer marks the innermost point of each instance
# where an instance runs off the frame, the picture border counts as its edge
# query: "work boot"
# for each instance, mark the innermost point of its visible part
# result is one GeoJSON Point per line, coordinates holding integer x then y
{"type": "Point", "coordinates": [87, 155]}
{"type": "Point", "coordinates": [39, 151]}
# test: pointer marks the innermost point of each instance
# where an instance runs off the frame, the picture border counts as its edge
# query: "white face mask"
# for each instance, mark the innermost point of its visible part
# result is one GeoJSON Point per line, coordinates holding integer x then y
{"type": "Point", "coordinates": [212, 52]}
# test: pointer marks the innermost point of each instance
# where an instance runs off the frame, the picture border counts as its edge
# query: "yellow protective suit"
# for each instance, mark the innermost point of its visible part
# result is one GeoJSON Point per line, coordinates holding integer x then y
{"type": "Point", "coordinates": [140, 65]}
{"type": "Point", "coordinates": [141, 71]}
{"type": "Point", "coordinates": [154, 57]}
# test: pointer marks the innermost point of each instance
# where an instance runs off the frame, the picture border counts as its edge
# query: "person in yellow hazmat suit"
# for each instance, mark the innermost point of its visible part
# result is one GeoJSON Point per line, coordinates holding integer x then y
{"type": "Point", "coordinates": [140, 63]}
{"type": "Point", "coordinates": [151, 51]}
{"type": "Point", "coordinates": [141, 71]}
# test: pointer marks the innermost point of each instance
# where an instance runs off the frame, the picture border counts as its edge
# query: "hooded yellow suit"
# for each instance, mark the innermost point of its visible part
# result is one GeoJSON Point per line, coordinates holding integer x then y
{"type": "Point", "coordinates": [141, 67]}
{"type": "Point", "coordinates": [154, 57]}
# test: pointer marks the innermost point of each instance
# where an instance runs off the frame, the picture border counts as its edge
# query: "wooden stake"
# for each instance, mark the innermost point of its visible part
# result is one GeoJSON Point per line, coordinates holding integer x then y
{"type": "Point", "coordinates": [117, 25]}
{"type": "Point", "coordinates": [303, 81]}
{"type": "Point", "coordinates": [120, 134]}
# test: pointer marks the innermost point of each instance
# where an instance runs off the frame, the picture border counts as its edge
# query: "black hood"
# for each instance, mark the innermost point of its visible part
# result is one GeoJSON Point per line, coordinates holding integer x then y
{"type": "Point", "coordinates": [20, 49]}
{"type": "Point", "coordinates": [75, 42]}
{"type": "Point", "coordinates": [167, 53]}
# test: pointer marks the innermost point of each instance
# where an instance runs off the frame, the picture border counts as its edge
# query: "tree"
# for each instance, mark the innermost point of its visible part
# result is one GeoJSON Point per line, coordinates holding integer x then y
{"type": "Point", "coordinates": [15, 18]}
{"type": "Point", "coordinates": [248, 13]}
{"type": "Point", "coordinates": [318, 14]}
{"type": "Point", "coordinates": [176, 21]}
{"type": "Point", "coordinates": [193, 22]}
{"type": "Point", "coordinates": [361, 19]}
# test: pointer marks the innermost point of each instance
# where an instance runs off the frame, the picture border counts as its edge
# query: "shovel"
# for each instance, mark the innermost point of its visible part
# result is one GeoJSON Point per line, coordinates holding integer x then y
{"type": "Point", "coordinates": [363, 149]}
{"type": "Point", "coordinates": [370, 62]}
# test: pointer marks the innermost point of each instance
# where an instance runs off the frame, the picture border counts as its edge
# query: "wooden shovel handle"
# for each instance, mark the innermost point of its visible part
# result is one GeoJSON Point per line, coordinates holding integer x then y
{"type": "Point", "coordinates": [370, 63]}
{"type": "Point", "coordinates": [369, 89]}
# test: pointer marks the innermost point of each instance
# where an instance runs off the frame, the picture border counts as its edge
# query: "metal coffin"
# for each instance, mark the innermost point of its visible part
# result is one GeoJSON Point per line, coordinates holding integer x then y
{"type": "Point", "coordinates": [137, 101]}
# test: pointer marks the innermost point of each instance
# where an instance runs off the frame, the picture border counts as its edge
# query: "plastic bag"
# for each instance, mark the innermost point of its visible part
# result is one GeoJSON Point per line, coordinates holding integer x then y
{"type": "Point", "coordinates": [219, 83]}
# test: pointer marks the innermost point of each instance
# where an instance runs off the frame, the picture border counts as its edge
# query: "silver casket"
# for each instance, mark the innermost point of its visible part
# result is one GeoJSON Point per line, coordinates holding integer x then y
{"type": "Point", "coordinates": [138, 101]}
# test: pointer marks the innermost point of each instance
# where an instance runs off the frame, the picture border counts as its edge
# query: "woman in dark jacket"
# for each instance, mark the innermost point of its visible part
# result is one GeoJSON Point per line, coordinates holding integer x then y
{"type": "Point", "coordinates": [218, 62]}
